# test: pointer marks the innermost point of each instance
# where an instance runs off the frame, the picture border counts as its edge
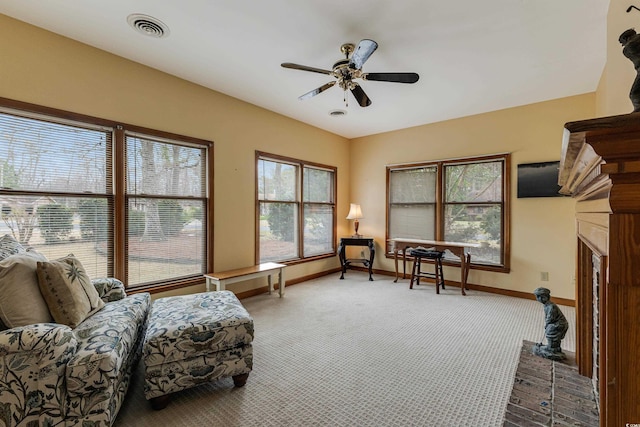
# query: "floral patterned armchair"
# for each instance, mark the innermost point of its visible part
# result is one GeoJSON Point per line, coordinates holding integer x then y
{"type": "Point", "coordinates": [53, 375]}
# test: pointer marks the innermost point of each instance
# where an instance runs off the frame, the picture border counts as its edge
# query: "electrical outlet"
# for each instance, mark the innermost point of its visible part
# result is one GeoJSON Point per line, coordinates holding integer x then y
{"type": "Point", "coordinates": [544, 276]}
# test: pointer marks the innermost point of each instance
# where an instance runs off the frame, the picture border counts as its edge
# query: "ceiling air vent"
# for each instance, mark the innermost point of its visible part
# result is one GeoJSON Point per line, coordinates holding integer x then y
{"type": "Point", "coordinates": [148, 25]}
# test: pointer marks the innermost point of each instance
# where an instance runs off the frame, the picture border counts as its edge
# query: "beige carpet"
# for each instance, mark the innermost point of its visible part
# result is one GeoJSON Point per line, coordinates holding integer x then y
{"type": "Point", "coordinates": [358, 353]}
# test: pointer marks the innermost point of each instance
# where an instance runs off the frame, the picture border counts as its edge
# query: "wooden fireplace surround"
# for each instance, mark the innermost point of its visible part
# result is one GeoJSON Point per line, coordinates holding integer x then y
{"type": "Point", "coordinates": [600, 168]}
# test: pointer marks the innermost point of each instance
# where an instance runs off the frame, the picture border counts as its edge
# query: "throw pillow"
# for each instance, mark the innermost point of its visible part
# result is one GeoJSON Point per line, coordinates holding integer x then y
{"type": "Point", "coordinates": [10, 246]}
{"type": "Point", "coordinates": [68, 291]}
{"type": "Point", "coordinates": [21, 302]}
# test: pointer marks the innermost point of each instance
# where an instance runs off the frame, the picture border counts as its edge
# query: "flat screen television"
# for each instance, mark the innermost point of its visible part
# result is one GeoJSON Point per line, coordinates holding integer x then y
{"type": "Point", "coordinates": [538, 180]}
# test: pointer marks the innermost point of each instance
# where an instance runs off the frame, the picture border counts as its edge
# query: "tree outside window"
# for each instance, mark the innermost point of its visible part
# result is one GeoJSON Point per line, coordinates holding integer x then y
{"type": "Point", "coordinates": [48, 171]}
{"type": "Point", "coordinates": [166, 198]}
{"type": "Point", "coordinates": [296, 205]}
{"type": "Point", "coordinates": [459, 201]}
{"type": "Point", "coordinates": [59, 193]}
{"type": "Point", "coordinates": [473, 208]}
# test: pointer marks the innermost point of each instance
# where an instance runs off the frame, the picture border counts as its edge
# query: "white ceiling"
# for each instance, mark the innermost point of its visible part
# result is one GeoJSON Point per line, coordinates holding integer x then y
{"type": "Point", "coordinates": [472, 56]}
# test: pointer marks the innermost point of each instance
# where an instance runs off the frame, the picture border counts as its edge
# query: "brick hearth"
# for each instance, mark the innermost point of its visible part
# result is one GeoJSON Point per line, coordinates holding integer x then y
{"type": "Point", "coordinates": [548, 393]}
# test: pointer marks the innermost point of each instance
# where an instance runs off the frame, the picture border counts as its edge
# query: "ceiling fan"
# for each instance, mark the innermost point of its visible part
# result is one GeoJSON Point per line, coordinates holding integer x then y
{"type": "Point", "coordinates": [348, 69]}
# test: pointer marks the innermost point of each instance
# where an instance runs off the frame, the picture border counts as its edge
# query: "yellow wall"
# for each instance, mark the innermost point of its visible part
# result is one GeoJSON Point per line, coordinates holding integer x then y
{"type": "Point", "coordinates": [618, 76]}
{"type": "Point", "coordinates": [46, 69]}
{"type": "Point", "coordinates": [50, 70]}
{"type": "Point", "coordinates": [543, 231]}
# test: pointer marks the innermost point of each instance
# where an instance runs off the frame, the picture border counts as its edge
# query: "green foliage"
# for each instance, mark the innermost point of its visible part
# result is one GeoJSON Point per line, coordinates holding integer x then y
{"type": "Point", "coordinates": [94, 220]}
{"type": "Point", "coordinates": [192, 212]}
{"type": "Point", "coordinates": [172, 218]}
{"type": "Point", "coordinates": [318, 223]}
{"type": "Point", "coordinates": [55, 222]}
{"type": "Point", "coordinates": [281, 221]}
{"type": "Point", "coordinates": [475, 182]}
{"type": "Point", "coordinates": [492, 223]}
{"type": "Point", "coordinates": [8, 175]}
{"type": "Point", "coordinates": [136, 220]}
{"type": "Point", "coordinates": [467, 233]}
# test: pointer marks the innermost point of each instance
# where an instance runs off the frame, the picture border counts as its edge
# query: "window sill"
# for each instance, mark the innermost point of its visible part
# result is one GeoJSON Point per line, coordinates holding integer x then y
{"type": "Point", "coordinates": [166, 286]}
{"type": "Point", "coordinates": [304, 260]}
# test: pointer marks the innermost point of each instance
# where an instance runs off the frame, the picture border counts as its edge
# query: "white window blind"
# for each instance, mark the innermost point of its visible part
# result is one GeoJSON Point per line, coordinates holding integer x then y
{"type": "Point", "coordinates": [166, 196]}
{"type": "Point", "coordinates": [69, 183]}
{"type": "Point", "coordinates": [55, 189]}
{"type": "Point", "coordinates": [412, 203]}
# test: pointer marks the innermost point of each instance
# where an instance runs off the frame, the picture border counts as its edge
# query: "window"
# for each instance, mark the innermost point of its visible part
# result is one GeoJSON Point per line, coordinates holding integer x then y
{"type": "Point", "coordinates": [463, 200]}
{"type": "Point", "coordinates": [166, 202]}
{"type": "Point", "coordinates": [412, 202]}
{"type": "Point", "coordinates": [296, 209]}
{"type": "Point", "coordinates": [128, 202]}
{"type": "Point", "coordinates": [55, 189]}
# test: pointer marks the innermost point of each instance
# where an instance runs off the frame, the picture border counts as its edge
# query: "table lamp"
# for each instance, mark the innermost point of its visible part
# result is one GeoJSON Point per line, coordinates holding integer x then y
{"type": "Point", "coordinates": [355, 213]}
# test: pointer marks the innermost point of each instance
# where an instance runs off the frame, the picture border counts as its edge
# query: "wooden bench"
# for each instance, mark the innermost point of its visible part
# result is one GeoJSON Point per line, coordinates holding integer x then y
{"type": "Point", "coordinates": [221, 279]}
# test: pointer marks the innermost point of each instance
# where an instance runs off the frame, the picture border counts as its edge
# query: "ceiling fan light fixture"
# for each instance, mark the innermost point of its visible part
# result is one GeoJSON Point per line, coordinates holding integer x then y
{"type": "Point", "coordinates": [347, 70]}
{"type": "Point", "coordinates": [148, 25]}
{"type": "Point", "coordinates": [337, 113]}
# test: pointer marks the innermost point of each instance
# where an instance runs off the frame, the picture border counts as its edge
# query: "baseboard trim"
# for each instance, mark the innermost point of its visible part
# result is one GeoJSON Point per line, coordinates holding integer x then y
{"type": "Point", "coordinates": [290, 282]}
{"type": "Point", "coordinates": [481, 288]}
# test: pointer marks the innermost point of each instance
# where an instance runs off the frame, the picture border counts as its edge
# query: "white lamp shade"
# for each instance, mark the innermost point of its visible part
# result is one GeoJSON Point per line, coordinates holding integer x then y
{"type": "Point", "coordinates": [355, 212]}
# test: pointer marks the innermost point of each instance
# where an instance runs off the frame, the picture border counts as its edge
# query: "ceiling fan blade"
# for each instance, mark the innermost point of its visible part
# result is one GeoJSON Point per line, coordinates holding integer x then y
{"type": "Point", "coordinates": [364, 50]}
{"type": "Point", "coordinates": [361, 97]}
{"type": "Point", "coordinates": [392, 77]}
{"type": "Point", "coordinates": [305, 68]}
{"type": "Point", "coordinates": [316, 91]}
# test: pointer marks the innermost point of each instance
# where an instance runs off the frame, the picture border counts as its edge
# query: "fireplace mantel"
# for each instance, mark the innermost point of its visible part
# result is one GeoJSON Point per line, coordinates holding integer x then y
{"type": "Point", "coordinates": [600, 168]}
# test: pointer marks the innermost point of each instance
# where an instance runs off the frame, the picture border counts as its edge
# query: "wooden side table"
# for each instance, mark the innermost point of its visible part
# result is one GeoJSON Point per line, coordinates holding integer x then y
{"type": "Point", "coordinates": [356, 241]}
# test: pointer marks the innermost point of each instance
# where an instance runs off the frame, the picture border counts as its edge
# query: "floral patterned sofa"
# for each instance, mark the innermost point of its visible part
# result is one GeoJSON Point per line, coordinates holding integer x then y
{"type": "Point", "coordinates": [55, 375]}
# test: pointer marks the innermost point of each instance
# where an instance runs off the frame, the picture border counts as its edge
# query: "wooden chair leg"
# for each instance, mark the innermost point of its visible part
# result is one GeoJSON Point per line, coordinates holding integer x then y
{"type": "Point", "coordinates": [413, 273]}
{"type": "Point", "coordinates": [441, 273]}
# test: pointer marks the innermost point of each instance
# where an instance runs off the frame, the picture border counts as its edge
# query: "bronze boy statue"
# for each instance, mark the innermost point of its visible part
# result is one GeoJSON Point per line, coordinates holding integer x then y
{"type": "Point", "coordinates": [631, 49]}
{"type": "Point", "coordinates": [555, 327]}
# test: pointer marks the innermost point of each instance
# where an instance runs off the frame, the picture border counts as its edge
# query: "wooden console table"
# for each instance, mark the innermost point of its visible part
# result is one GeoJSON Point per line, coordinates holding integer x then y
{"type": "Point", "coordinates": [223, 278]}
{"type": "Point", "coordinates": [458, 249]}
{"type": "Point", "coordinates": [356, 241]}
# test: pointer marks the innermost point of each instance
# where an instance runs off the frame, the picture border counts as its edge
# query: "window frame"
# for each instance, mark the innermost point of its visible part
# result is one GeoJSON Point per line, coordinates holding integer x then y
{"type": "Point", "coordinates": [162, 138]}
{"type": "Point", "coordinates": [118, 194]}
{"type": "Point", "coordinates": [300, 206]}
{"type": "Point", "coordinates": [440, 204]}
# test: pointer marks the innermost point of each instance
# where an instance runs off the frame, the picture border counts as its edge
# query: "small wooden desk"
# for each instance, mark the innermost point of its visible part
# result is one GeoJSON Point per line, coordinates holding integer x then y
{"type": "Point", "coordinates": [356, 241]}
{"type": "Point", "coordinates": [458, 249]}
{"type": "Point", "coordinates": [221, 279]}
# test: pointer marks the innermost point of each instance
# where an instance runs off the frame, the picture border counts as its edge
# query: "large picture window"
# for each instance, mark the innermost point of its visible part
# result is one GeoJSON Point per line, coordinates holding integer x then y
{"type": "Point", "coordinates": [296, 209]}
{"type": "Point", "coordinates": [166, 203]}
{"type": "Point", "coordinates": [462, 200]}
{"type": "Point", "coordinates": [55, 189]}
{"type": "Point", "coordinates": [127, 202]}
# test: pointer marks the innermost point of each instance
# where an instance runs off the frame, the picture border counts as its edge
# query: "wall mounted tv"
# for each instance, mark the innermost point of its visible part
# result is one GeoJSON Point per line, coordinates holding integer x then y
{"type": "Point", "coordinates": [538, 180]}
